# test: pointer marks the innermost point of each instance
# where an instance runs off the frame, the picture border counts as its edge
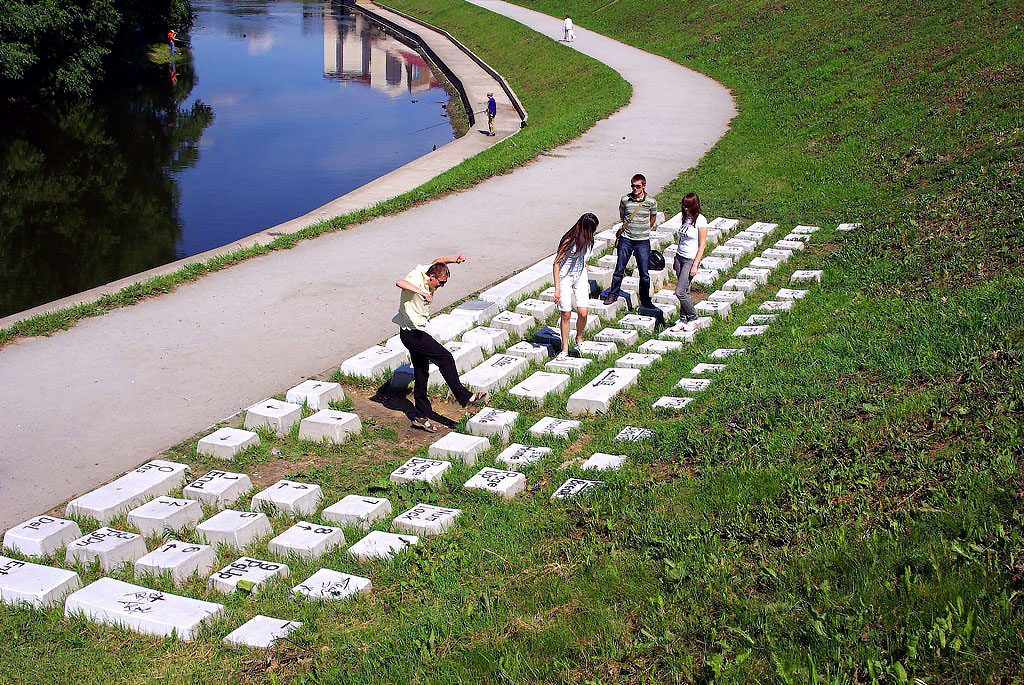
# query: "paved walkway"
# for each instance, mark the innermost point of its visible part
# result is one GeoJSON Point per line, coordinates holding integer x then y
{"type": "Point", "coordinates": [82, 406]}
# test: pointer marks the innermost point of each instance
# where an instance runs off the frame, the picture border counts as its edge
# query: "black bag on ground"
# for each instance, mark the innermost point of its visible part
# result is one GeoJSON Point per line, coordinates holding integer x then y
{"type": "Point", "coordinates": [657, 261]}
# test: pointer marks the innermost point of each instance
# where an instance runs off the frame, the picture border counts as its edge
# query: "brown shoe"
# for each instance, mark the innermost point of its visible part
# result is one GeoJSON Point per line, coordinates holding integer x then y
{"type": "Point", "coordinates": [610, 299]}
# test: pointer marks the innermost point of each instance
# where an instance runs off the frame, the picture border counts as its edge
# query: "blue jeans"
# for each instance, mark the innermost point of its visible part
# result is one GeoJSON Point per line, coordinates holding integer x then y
{"type": "Point", "coordinates": [642, 250]}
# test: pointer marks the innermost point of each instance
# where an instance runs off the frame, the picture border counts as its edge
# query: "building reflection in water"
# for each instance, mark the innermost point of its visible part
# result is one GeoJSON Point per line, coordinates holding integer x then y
{"type": "Point", "coordinates": [356, 50]}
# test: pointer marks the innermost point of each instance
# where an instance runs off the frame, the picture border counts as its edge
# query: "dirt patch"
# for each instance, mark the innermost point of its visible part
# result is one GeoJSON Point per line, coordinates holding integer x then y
{"type": "Point", "coordinates": [271, 472]}
{"type": "Point", "coordinates": [395, 410]}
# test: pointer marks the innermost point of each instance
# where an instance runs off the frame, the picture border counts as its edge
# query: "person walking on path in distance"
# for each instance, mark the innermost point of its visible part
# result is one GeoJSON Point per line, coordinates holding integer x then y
{"type": "Point", "coordinates": [418, 289]}
{"type": "Point", "coordinates": [171, 37]}
{"type": "Point", "coordinates": [570, 35]}
{"type": "Point", "coordinates": [492, 111]}
{"type": "Point", "coordinates": [693, 238]}
{"type": "Point", "coordinates": [638, 213]}
{"type": "Point", "coordinates": [572, 282]}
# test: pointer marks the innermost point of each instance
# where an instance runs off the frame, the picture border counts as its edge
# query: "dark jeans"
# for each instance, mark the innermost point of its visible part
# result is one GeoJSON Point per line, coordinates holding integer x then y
{"type": "Point", "coordinates": [424, 349]}
{"type": "Point", "coordinates": [642, 250]}
{"type": "Point", "coordinates": [682, 266]}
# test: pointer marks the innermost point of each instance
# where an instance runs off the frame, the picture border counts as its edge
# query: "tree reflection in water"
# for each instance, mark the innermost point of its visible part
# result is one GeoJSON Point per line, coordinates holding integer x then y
{"type": "Point", "coordinates": [87, 189]}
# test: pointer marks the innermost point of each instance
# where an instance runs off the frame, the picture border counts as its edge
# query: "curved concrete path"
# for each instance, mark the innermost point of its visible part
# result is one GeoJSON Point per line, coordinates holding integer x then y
{"type": "Point", "coordinates": [82, 406]}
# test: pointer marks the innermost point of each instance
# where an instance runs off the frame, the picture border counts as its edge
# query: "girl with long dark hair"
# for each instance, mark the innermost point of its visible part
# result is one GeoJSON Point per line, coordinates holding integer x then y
{"type": "Point", "coordinates": [693, 238]}
{"type": "Point", "coordinates": [572, 283]}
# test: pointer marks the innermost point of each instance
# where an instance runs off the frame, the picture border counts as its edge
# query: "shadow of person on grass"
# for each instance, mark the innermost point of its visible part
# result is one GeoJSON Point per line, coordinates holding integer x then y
{"type": "Point", "coordinates": [397, 399]}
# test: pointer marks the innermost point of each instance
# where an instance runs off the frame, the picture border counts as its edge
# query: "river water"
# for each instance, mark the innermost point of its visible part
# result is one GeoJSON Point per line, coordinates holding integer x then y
{"type": "Point", "coordinates": [282, 107]}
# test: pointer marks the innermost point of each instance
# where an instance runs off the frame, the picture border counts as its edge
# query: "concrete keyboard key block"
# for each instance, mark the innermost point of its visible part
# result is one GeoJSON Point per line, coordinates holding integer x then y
{"type": "Point", "coordinates": [790, 294]}
{"type": "Point", "coordinates": [730, 252]}
{"type": "Point", "coordinates": [261, 632]}
{"type": "Point", "coordinates": [701, 369]}
{"type": "Point", "coordinates": [776, 253]}
{"type": "Point", "coordinates": [225, 443]}
{"type": "Point", "coordinates": [289, 496]}
{"type": "Point", "coordinates": [425, 519]}
{"type": "Point", "coordinates": [165, 513]}
{"type": "Point", "coordinates": [254, 573]}
{"type": "Point", "coordinates": [806, 229]}
{"type": "Point", "coordinates": [673, 224]}
{"type": "Point", "coordinates": [109, 546]}
{"type": "Point", "coordinates": [636, 360]}
{"type": "Point", "coordinates": [724, 224]}
{"type": "Point", "coordinates": [660, 346]}
{"type": "Point", "coordinates": [315, 394]}
{"type": "Point", "coordinates": [569, 365]}
{"type": "Point", "coordinates": [716, 263]}
{"type": "Point", "coordinates": [597, 395]}
{"type": "Point", "coordinates": [735, 297]}
{"type": "Point", "coordinates": [157, 477]}
{"type": "Point", "coordinates": [669, 310]}
{"type": "Point", "coordinates": [788, 245]}
{"type": "Point", "coordinates": [374, 361]}
{"type": "Point", "coordinates": [604, 311]}
{"type": "Point", "coordinates": [479, 311]}
{"type": "Point", "coordinates": [495, 373]}
{"type": "Point", "coordinates": [234, 528]}
{"type": "Point", "coordinates": [848, 227]}
{"type": "Point", "coordinates": [488, 422]}
{"type": "Point", "coordinates": [758, 319]}
{"type": "Point", "coordinates": [516, 324]}
{"type": "Point", "coordinates": [137, 608]}
{"type": "Point", "coordinates": [41, 536]}
{"type": "Point", "coordinates": [765, 263]}
{"type": "Point", "coordinates": [680, 331]}
{"type": "Point", "coordinates": [465, 448]}
{"type": "Point", "coordinates": [273, 414]}
{"type": "Point", "coordinates": [22, 582]}
{"type": "Point", "coordinates": [802, 237]}
{"type": "Point", "coordinates": [672, 403]}
{"type": "Point", "coordinates": [747, 331]}
{"type": "Point", "coordinates": [634, 434]}
{"type": "Point", "coordinates": [517, 456]}
{"type": "Point", "coordinates": [756, 236]}
{"type": "Point", "coordinates": [713, 308]}
{"type": "Point", "coordinates": [540, 385]}
{"type": "Point", "coordinates": [181, 560]}
{"type": "Point", "coordinates": [608, 261]}
{"type": "Point", "coordinates": [807, 276]}
{"type": "Point", "coordinates": [574, 487]}
{"type": "Point", "coordinates": [538, 309]}
{"type": "Point", "coordinates": [639, 322]}
{"type": "Point", "coordinates": [759, 276]}
{"type": "Point", "coordinates": [619, 336]}
{"type": "Point", "coordinates": [592, 323]}
{"type": "Point", "coordinates": [558, 428]}
{"type": "Point", "coordinates": [604, 462]}
{"type": "Point", "coordinates": [694, 384]}
{"type": "Point", "coordinates": [445, 327]}
{"type": "Point", "coordinates": [419, 469]}
{"type": "Point", "coordinates": [532, 351]}
{"type": "Point", "coordinates": [330, 425]}
{"type": "Point", "coordinates": [332, 586]}
{"type": "Point", "coordinates": [597, 349]}
{"type": "Point", "coordinates": [508, 484]}
{"type": "Point", "coordinates": [762, 226]}
{"type": "Point", "coordinates": [747, 246]}
{"type": "Point", "coordinates": [601, 274]}
{"type": "Point", "coordinates": [486, 337]}
{"type": "Point", "coordinates": [379, 545]}
{"type": "Point", "coordinates": [665, 295]}
{"type": "Point", "coordinates": [776, 306]}
{"type": "Point", "coordinates": [219, 488]}
{"type": "Point", "coordinates": [307, 540]}
{"type": "Point", "coordinates": [358, 510]}
{"type": "Point", "coordinates": [726, 352]}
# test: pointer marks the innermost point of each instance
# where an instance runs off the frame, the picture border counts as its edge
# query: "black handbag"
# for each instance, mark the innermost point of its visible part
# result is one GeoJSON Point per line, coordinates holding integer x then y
{"type": "Point", "coordinates": [657, 261]}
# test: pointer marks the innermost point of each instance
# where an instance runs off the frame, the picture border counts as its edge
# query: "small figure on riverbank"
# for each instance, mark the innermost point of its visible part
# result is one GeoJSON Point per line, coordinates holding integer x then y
{"type": "Point", "coordinates": [693, 238]}
{"type": "Point", "coordinates": [572, 281]}
{"type": "Point", "coordinates": [418, 289]}
{"type": "Point", "coordinates": [171, 37]}
{"type": "Point", "coordinates": [492, 111]}
{"type": "Point", "coordinates": [568, 34]}
{"type": "Point", "coordinates": [638, 213]}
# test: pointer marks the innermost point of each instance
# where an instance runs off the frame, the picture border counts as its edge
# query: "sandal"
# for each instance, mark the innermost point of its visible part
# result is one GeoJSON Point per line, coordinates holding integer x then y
{"type": "Point", "coordinates": [478, 398]}
{"type": "Point", "coordinates": [426, 424]}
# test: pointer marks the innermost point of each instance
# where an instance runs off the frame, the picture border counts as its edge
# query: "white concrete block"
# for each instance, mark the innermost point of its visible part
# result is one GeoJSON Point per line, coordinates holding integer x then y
{"type": "Point", "coordinates": [261, 632]}
{"type": "Point", "coordinates": [516, 324]}
{"type": "Point", "coordinates": [755, 236]}
{"type": "Point", "coordinates": [663, 235]}
{"type": "Point", "coordinates": [332, 586]}
{"type": "Point", "coordinates": [394, 343]}
{"type": "Point", "coordinates": [601, 274]}
{"type": "Point", "coordinates": [600, 245]}
{"type": "Point", "coordinates": [762, 226]}
{"type": "Point", "coordinates": [618, 336]}
{"type": "Point", "coordinates": [759, 276]}
{"type": "Point", "coordinates": [607, 234]}
{"type": "Point", "coordinates": [330, 425]}
{"type": "Point", "coordinates": [486, 337]}
{"type": "Point", "coordinates": [758, 319]}
{"type": "Point", "coordinates": [494, 373]}
{"type": "Point", "coordinates": [22, 582]}
{"type": "Point", "coordinates": [638, 322]}
{"type": "Point", "coordinates": [41, 536]}
{"type": "Point", "coordinates": [307, 540]}
{"type": "Point", "coordinates": [717, 263]}
{"type": "Point", "coordinates": [141, 609]}
{"type": "Point", "coordinates": [517, 456]}
{"type": "Point", "coordinates": [680, 331]}
{"type": "Point", "coordinates": [725, 352]}
{"type": "Point", "coordinates": [478, 311]}
{"type": "Point", "coordinates": [660, 346]}
{"type": "Point", "coordinates": [569, 365]}
{"type": "Point", "coordinates": [219, 488]}
{"type": "Point", "coordinates": [234, 528]}
{"type": "Point", "coordinates": [705, 278]}
{"type": "Point", "coordinates": [419, 469]}
{"type": "Point", "coordinates": [465, 448]}
{"type": "Point", "coordinates": [713, 308]}
{"type": "Point", "coordinates": [592, 324]}
{"type": "Point", "coordinates": [802, 237]}
{"type": "Point", "coordinates": [788, 245]}
{"type": "Point", "coordinates": [637, 360]}
{"type": "Point", "coordinates": [666, 296]}
{"type": "Point", "coordinates": [776, 305]}
{"type": "Point", "coordinates": [776, 253]}
{"type": "Point", "coordinates": [165, 513]}
{"type": "Point", "coordinates": [634, 434]}
{"type": "Point", "coordinates": [596, 396]}
{"type": "Point", "coordinates": [765, 262]}
{"type": "Point", "coordinates": [425, 519]}
{"type": "Point", "coordinates": [714, 237]}
{"type": "Point", "coordinates": [225, 443]}
{"type": "Point", "coordinates": [508, 484]}
{"type": "Point", "coordinates": [488, 422]}
{"type": "Point", "coordinates": [608, 261]}
{"type": "Point", "coordinates": [672, 403]}
{"type": "Point", "coordinates": [734, 297]}
{"type": "Point", "coordinates": [358, 510]}
{"type": "Point", "coordinates": [597, 349]}
{"type": "Point", "coordinates": [538, 309]}
{"type": "Point", "coordinates": [598, 309]}
{"type": "Point", "coordinates": [375, 361]}
{"type": "Point", "coordinates": [807, 276]}
{"type": "Point", "coordinates": [604, 462]}
{"type": "Point", "coordinates": [289, 496]}
{"type": "Point", "coordinates": [747, 246]}
{"type": "Point", "coordinates": [316, 394]}
{"type": "Point", "coordinates": [673, 224]}
{"type": "Point", "coordinates": [532, 351]}
{"type": "Point", "coordinates": [379, 545]}
{"type": "Point", "coordinates": [539, 385]}
{"type": "Point", "coordinates": [273, 414]}
{"type": "Point", "coordinates": [724, 224]}
{"type": "Point", "coordinates": [252, 573]}
{"type": "Point", "coordinates": [791, 294]}
{"type": "Point", "coordinates": [848, 227]}
{"type": "Point", "coordinates": [157, 477]}
{"type": "Point", "coordinates": [730, 252]}
{"type": "Point", "coordinates": [445, 327]}
{"type": "Point", "coordinates": [179, 559]}
{"type": "Point", "coordinates": [747, 331]}
{"type": "Point", "coordinates": [701, 369]}
{"type": "Point", "coordinates": [694, 384]}
{"type": "Point", "coordinates": [466, 355]}
{"type": "Point", "coordinates": [558, 428]}
{"type": "Point", "coordinates": [807, 230]}
{"type": "Point", "coordinates": [575, 487]}
{"type": "Point", "coordinates": [742, 284]}
{"type": "Point", "coordinates": [109, 546]}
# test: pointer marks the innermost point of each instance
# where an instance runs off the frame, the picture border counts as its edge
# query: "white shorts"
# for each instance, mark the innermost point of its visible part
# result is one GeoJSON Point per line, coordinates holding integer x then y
{"type": "Point", "coordinates": [578, 290]}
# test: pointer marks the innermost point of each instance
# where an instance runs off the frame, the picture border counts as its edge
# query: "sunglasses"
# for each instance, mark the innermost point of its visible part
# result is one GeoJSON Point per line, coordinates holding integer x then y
{"type": "Point", "coordinates": [440, 283]}
{"type": "Point", "coordinates": [636, 185]}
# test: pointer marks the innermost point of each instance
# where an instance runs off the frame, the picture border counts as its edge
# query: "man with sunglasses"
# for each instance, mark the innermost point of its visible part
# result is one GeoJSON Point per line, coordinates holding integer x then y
{"type": "Point", "coordinates": [638, 213]}
{"type": "Point", "coordinates": [418, 289]}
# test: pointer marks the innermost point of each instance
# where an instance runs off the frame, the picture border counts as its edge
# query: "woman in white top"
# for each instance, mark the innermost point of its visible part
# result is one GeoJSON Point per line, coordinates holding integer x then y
{"type": "Point", "coordinates": [693, 238]}
{"type": "Point", "coordinates": [572, 282]}
{"type": "Point", "coordinates": [568, 34]}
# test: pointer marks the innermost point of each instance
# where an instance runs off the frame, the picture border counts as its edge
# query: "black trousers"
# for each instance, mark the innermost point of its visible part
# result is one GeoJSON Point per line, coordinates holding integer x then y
{"type": "Point", "coordinates": [424, 349]}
